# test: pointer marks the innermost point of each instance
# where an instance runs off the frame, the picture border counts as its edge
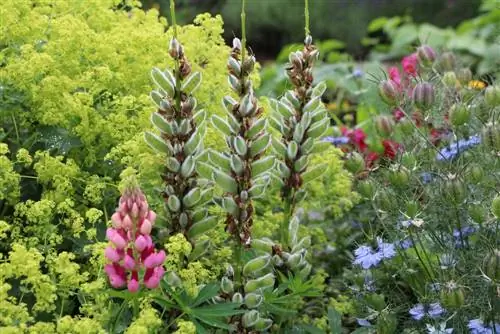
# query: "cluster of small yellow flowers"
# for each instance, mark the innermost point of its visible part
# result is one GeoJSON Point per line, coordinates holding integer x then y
{"type": "Point", "coordinates": [147, 322]}
{"type": "Point", "coordinates": [9, 179]}
{"type": "Point", "coordinates": [66, 271]}
{"type": "Point", "coordinates": [185, 327]}
{"type": "Point", "coordinates": [23, 157]}
{"type": "Point", "coordinates": [69, 325]}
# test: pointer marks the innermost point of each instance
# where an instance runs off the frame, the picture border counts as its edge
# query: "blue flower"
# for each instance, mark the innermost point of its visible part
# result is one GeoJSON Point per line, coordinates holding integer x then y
{"type": "Point", "coordinates": [451, 151]}
{"type": "Point", "coordinates": [426, 177]}
{"type": "Point", "coordinates": [406, 243]}
{"type": "Point", "coordinates": [368, 257]}
{"type": "Point", "coordinates": [477, 326]}
{"type": "Point", "coordinates": [363, 322]}
{"type": "Point", "coordinates": [357, 73]}
{"type": "Point", "coordinates": [342, 140]}
{"type": "Point", "coordinates": [461, 235]}
{"type": "Point", "coordinates": [419, 311]}
{"type": "Point", "coordinates": [439, 330]}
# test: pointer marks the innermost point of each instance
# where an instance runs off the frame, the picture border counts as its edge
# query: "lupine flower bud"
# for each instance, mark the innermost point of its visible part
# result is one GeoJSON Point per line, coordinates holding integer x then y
{"type": "Point", "coordinates": [447, 61]}
{"type": "Point", "coordinates": [236, 44]}
{"type": "Point", "coordinates": [134, 247]}
{"type": "Point", "coordinates": [492, 96]}
{"type": "Point", "coordinates": [174, 49]}
{"type": "Point", "coordinates": [426, 55]}
{"type": "Point", "coordinates": [237, 298]}
{"type": "Point", "coordinates": [384, 125]}
{"type": "Point", "coordinates": [450, 79]}
{"type": "Point", "coordinates": [492, 265]}
{"type": "Point", "coordinates": [389, 91]}
{"type": "Point", "coordinates": [458, 115]}
{"type": "Point", "coordinates": [226, 285]}
{"type": "Point", "coordinates": [423, 95]}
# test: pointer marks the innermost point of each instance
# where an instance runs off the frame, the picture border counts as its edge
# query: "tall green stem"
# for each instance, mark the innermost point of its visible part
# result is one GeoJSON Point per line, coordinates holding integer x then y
{"type": "Point", "coordinates": [243, 30]}
{"type": "Point", "coordinates": [177, 70]}
{"type": "Point", "coordinates": [306, 15]}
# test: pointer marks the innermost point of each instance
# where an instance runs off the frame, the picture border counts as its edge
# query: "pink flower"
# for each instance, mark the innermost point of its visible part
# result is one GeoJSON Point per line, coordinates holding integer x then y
{"type": "Point", "coordinates": [410, 64]}
{"type": "Point", "coordinates": [133, 246]}
{"type": "Point", "coordinates": [395, 76]}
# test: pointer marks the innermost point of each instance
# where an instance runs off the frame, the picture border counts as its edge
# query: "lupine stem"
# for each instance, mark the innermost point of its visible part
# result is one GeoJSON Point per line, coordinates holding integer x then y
{"type": "Point", "coordinates": [243, 31]}
{"type": "Point", "coordinates": [306, 14]}
{"type": "Point", "coordinates": [177, 69]}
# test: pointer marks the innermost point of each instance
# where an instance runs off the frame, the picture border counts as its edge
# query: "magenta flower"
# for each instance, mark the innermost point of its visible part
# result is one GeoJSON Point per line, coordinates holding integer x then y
{"type": "Point", "coordinates": [410, 64]}
{"type": "Point", "coordinates": [131, 252]}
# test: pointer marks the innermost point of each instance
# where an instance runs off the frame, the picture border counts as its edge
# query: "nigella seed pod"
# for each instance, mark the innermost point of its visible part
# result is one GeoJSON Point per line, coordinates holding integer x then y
{"type": "Point", "coordinates": [366, 189]}
{"type": "Point", "coordinates": [450, 79]}
{"type": "Point", "coordinates": [354, 163]}
{"type": "Point", "coordinates": [423, 95]}
{"type": "Point", "coordinates": [491, 136]}
{"type": "Point", "coordinates": [389, 92]}
{"type": "Point", "coordinates": [459, 115]}
{"type": "Point", "coordinates": [454, 189]}
{"type": "Point", "coordinates": [426, 55]}
{"type": "Point", "coordinates": [384, 125]}
{"type": "Point", "coordinates": [491, 265]}
{"type": "Point", "coordinates": [399, 177]}
{"type": "Point", "coordinates": [495, 206]}
{"type": "Point", "coordinates": [492, 96]}
{"type": "Point", "coordinates": [464, 75]}
{"type": "Point", "coordinates": [447, 61]}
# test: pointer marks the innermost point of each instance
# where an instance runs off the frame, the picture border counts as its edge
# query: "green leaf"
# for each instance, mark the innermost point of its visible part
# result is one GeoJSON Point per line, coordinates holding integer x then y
{"type": "Point", "coordinates": [314, 173]}
{"type": "Point", "coordinates": [202, 226]}
{"type": "Point", "coordinates": [377, 24]}
{"type": "Point", "coordinates": [157, 143]}
{"type": "Point", "coordinates": [334, 320]}
{"type": "Point", "coordinates": [192, 83]}
{"type": "Point", "coordinates": [207, 292]}
{"type": "Point", "coordinates": [163, 82]}
{"type": "Point", "coordinates": [161, 123]}
{"type": "Point", "coordinates": [225, 181]}
{"type": "Point", "coordinates": [404, 37]}
{"type": "Point", "coordinates": [166, 304]}
{"type": "Point", "coordinates": [218, 310]}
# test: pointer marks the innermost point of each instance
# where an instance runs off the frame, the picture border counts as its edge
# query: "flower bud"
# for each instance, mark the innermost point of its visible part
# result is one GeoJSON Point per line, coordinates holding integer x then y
{"type": "Point", "coordinates": [226, 285]}
{"type": "Point", "coordinates": [384, 125]}
{"type": "Point", "coordinates": [475, 173]}
{"type": "Point", "coordinates": [389, 92]}
{"type": "Point", "coordinates": [354, 163]}
{"type": "Point", "coordinates": [112, 254]}
{"type": "Point", "coordinates": [236, 44]}
{"type": "Point", "coordinates": [454, 189]}
{"type": "Point", "coordinates": [477, 213]}
{"type": "Point", "coordinates": [253, 300]}
{"type": "Point", "coordinates": [426, 55]}
{"type": "Point", "coordinates": [491, 265]}
{"type": "Point", "coordinates": [491, 136]}
{"type": "Point", "coordinates": [117, 220]}
{"type": "Point", "coordinates": [366, 189]}
{"type": "Point", "coordinates": [412, 208]}
{"type": "Point", "coordinates": [248, 65]}
{"type": "Point", "coordinates": [250, 318]}
{"type": "Point", "coordinates": [399, 177]}
{"type": "Point", "coordinates": [237, 298]}
{"type": "Point", "coordinates": [447, 61]}
{"type": "Point", "coordinates": [464, 75]}
{"type": "Point", "coordinates": [385, 200]}
{"type": "Point", "coordinates": [174, 49]}
{"type": "Point", "coordinates": [406, 126]}
{"type": "Point", "coordinates": [495, 206]}
{"type": "Point", "coordinates": [450, 79]}
{"type": "Point", "coordinates": [458, 115]}
{"type": "Point", "coordinates": [492, 96]}
{"type": "Point", "coordinates": [423, 95]}
{"type": "Point", "coordinates": [146, 227]}
{"type": "Point", "coordinates": [452, 296]}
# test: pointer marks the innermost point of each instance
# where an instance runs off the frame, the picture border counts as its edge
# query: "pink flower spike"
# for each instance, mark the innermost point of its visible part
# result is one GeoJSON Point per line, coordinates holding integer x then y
{"type": "Point", "coordinates": [117, 281]}
{"type": "Point", "coordinates": [150, 261]}
{"type": "Point", "coordinates": [153, 281]}
{"type": "Point", "coordinates": [109, 269]}
{"type": "Point", "coordinates": [160, 258]}
{"type": "Point", "coordinates": [133, 285]}
{"type": "Point", "coordinates": [123, 207]}
{"type": "Point", "coordinates": [128, 262]}
{"type": "Point", "coordinates": [135, 210]}
{"type": "Point", "coordinates": [146, 227]}
{"type": "Point", "coordinates": [151, 216]}
{"type": "Point", "coordinates": [117, 220]}
{"type": "Point", "coordinates": [112, 254]}
{"type": "Point", "coordinates": [118, 241]}
{"type": "Point", "coordinates": [127, 222]}
{"type": "Point", "coordinates": [141, 243]}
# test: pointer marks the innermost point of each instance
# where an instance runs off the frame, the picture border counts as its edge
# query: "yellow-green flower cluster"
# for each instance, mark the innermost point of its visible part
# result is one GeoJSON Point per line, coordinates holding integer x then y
{"type": "Point", "coordinates": [147, 322]}
{"type": "Point", "coordinates": [185, 327]}
{"type": "Point", "coordinates": [9, 179]}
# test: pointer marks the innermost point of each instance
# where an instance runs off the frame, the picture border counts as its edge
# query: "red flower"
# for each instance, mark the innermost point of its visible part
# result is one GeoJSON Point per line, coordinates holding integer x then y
{"type": "Point", "coordinates": [370, 159]}
{"type": "Point", "coordinates": [390, 148]}
{"type": "Point", "coordinates": [410, 64]}
{"type": "Point", "coordinates": [398, 114]}
{"type": "Point", "coordinates": [395, 76]}
{"type": "Point", "coordinates": [356, 136]}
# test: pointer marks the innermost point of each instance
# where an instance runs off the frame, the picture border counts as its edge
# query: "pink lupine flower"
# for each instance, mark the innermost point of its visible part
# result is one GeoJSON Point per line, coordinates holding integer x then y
{"type": "Point", "coordinates": [132, 249]}
{"type": "Point", "coordinates": [410, 64]}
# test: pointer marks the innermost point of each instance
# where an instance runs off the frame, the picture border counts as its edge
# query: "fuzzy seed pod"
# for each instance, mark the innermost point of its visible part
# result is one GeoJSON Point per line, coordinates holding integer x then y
{"type": "Point", "coordinates": [454, 189]}
{"type": "Point", "coordinates": [491, 136]}
{"type": "Point", "coordinates": [354, 163]}
{"type": "Point", "coordinates": [389, 92]}
{"type": "Point", "coordinates": [495, 206]}
{"type": "Point", "coordinates": [491, 265]}
{"type": "Point", "coordinates": [452, 296]}
{"type": "Point", "coordinates": [459, 115]}
{"type": "Point", "coordinates": [492, 96]}
{"type": "Point", "coordinates": [384, 125]}
{"type": "Point", "coordinates": [450, 79]}
{"type": "Point", "coordinates": [447, 61]}
{"type": "Point", "coordinates": [464, 75]}
{"type": "Point", "coordinates": [426, 55]}
{"type": "Point", "coordinates": [423, 95]}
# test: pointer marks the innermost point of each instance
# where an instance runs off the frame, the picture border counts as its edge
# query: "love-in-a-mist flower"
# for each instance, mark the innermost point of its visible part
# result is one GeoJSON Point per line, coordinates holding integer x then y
{"type": "Point", "coordinates": [419, 311]}
{"type": "Point", "coordinates": [367, 256]}
{"type": "Point", "coordinates": [131, 254]}
{"type": "Point", "coordinates": [477, 326]}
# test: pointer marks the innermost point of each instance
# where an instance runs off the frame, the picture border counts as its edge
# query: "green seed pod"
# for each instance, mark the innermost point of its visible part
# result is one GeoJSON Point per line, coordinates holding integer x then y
{"type": "Point", "coordinates": [447, 61]}
{"type": "Point", "coordinates": [476, 173]}
{"type": "Point", "coordinates": [259, 145]}
{"type": "Point", "coordinates": [314, 172]}
{"type": "Point", "coordinates": [366, 189]}
{"type": "Point", "coordinates": [230, 206]}
{"type": "Point", "coordinates": [406, 126]}
{"type": "Point", "coordinates": [250, 318]}
{"type": "Point", "coordinates": [412, 208]}
{"type": "Point", "coordinates": [399, 177]}
{"type": "Point", "coordinates": [458, 115]}
{"type": "Point", "coordinates": [452, 296]}
{"type": "Point", "coordinates": [225, 181]}
{"type": "Point", "coordinates": [354, 163]}
{"type": "Point", "coordinates": [408, 160]}
{"type": "Point", "coordinates": [477, 212]}
{"type": "Point", "coordinates": [256, 265]}
{"type": "Point", "coordinates": [257, 128]}
{"type": "Point", "coordinates": [495, 206]}
{"type": "Point", "coordinates": [172, 279]}
{"type": "Point", "coordinates": [226, 285]}
{"type": "Point", "coordinates": [305, 271]}
{"type": "Point", "coordinates": [300, 164]}
{"type": "Point", "coordinates": [492, 96]}
{"type": "Point", "coordinates": [234, 66]}
{"type": "Point", "coordinates": [237, 165]}
{"type": "Point", "coordinates": [423, 95]}
{"type": "Point", "coordinates": [248, 65]}
{"type": "Point", "coordinates": [263, 244]}
{"type": "Point", "coordinates": [464, 75]}
{"type": "Point", "coordinates": [450, 79]}
{"type": "Point", "coordinates": [454, 189]}
{"type": "Point", "coordinates": [385, 200]}
{"type": "Point", "coordinates": [173, 203]}
{"type": "Point", "coordinates": [263, 324]}
{"type": "Point", "coordinates": [187, 168]}
{"type": "Point", "coordinates": [191, 84]}
{"type": "Point", "coordinates": [237, 298]}
{"type": "Point", "coordinates": [202, 226]}
{"type": "Point", "coordinates": [260, 283]}
{"type": "Point", "coordinates": [319, 128]}
{"type": "Point", "coordinates": [389, 92]}
{"type": "Point", "coordinates": [384, 125]}
{"type": "Point", "coordinates": [319, 90]}
{"type": "Point", "coordinates": [161, 123]}
{"type": "Point", "coordinates": [193, 145]}
{"type": "Point", "coordinates": [292, 150]}
{"type": "Point", "coordinates": [253, 300]}
{"type": "Point", "coordinates": [491, 265]}
{"type": "Point", "coordinates": [234, 83]}
{"type": "Point", "coordinates": [491, 136]}
{"type": "Point", "coordinates": [277, 261]}
{"type": "Point", "coordinates": [292, 98]}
